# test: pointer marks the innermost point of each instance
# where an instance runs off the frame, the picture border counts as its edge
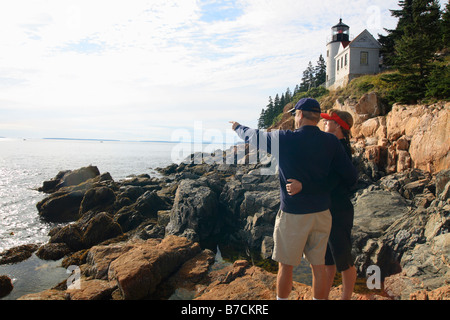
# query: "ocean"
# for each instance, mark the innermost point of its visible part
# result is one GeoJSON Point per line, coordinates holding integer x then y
{"type": "Point", "coordinates": [25, 164]}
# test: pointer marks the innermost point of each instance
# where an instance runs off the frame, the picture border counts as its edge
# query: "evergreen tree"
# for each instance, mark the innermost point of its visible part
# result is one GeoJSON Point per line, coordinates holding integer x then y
{"type": "Point", "coordinates": [276, 105]}
{"type": "Point", "coordinates": [288, 96]}
{"type": "Point", "coordinates": [269, 114]}
{"type": "Point", "coordinates": [387, 42]}
{"type": "Point", "coordinates": [307, 78]}
{"type": "Point", "coordinates": [282, 103]}
{"type": "Point", "coordinates": [417, 47]}
{"type": "Point", "coordinates": [446, 26]}
{"type": "Point", "coordinates": [311, 76]}
{"type": "Point", "coordinates": [304, 82]}
{"type": "Point", "coordinates": [320, 71]}
{"type": "Point", "coordinates": [414, 50]}
{"type": "Point", "coordinates": [261, 119]}
{"type": "Point", "coordinates": [438, 85]}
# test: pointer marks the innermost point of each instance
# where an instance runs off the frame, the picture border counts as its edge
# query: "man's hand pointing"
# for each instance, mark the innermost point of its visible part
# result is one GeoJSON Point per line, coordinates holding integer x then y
{"type": "Point", "coordinates": [235, 124]}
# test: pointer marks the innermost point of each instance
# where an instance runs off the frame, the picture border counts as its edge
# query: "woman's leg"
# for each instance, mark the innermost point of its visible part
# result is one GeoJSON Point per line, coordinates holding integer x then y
{"type": "Point", "coordinates": [319, 282]}
{"type": "Point", "coordinates": [348, 283]}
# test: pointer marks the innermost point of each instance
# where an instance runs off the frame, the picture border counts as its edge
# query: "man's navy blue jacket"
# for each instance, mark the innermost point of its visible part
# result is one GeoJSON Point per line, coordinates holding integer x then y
{"type": "Point", "coordinates": [307, 155]}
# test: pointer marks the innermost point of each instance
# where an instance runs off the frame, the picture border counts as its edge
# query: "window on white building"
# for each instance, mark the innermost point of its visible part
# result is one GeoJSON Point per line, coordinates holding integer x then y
{"type": "Point", "coordinates": [346, 59]}
{"type": "Point", "coordinates": [364, 58]}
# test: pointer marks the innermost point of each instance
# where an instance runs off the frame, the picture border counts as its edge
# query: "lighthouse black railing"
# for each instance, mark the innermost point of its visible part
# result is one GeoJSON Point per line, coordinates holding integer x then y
{"type": "Point", "coordinates": [350, 38]}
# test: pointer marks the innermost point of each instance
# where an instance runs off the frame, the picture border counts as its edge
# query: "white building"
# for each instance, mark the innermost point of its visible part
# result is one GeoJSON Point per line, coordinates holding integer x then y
{"type": "Point", "coordinates": [347, 59]}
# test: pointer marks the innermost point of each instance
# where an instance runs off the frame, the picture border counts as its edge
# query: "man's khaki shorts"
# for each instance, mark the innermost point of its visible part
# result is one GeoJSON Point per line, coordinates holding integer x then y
{"type": "Point", "coordinates": [298, 234]}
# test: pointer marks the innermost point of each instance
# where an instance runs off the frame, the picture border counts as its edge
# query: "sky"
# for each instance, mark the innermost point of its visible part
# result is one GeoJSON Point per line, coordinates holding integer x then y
{"type": "Point", "coordinates": [149, 69]}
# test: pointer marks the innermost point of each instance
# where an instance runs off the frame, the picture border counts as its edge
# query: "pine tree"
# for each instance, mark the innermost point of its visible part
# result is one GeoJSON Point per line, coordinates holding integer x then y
{"type": "Point", "coordinates": [388, 42]}
{"type": "Point", "coordinates": [311, 76]}
{"type": "Point", "coordinates": [269, 114]}
{"type": "Point", "coordinates": [282, 103]}
{"type": "Point", "coordinates": [438, 84]}
{"type": "Point", "coordinates": [320, 71]}
{"type": "Point", "coordinates": [307, 78]}
{"type": "Point", "coordinates": [261, 119]}
{"type": "Point", "coordinates": [416, 40]}
{"type": "Point", "coordinates": [446, 26]}
{"type": "Point", "coordinates": [288, 96]}
{"type": "Point", "coordinates": [276, 104]}
{"type": "Point", "coordinates": [304, 82]}
{"type": "Point", "coordinates": [417, 47]}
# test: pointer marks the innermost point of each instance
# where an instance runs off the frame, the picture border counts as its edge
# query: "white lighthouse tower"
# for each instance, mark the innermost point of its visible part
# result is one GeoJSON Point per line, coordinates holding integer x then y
{"type": "Point", "coordinates": [339, 35]}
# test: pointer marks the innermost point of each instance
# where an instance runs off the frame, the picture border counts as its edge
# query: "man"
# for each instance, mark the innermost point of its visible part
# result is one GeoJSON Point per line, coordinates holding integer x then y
{"type": "Point", "coordinates": [303, 222]}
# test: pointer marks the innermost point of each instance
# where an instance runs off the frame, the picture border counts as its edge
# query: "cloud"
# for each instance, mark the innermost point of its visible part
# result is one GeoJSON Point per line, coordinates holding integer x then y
{"type": "Point", "coordinates": [146, 64]}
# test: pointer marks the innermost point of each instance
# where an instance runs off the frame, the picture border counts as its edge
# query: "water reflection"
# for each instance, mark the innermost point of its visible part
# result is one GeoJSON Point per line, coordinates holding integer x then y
{"type": "Point", "coordinates": [33, 275]}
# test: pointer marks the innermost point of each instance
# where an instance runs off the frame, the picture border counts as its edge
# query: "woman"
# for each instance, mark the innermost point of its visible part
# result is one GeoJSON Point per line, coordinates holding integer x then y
{"type": "Point", "coordinates": [338, 256]}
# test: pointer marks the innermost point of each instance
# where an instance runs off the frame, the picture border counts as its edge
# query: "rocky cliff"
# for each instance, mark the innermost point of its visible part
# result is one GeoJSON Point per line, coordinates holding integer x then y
{"type": "Point", "coordinates": [409, 136]}
{"type": "Point", "coordinates": [405, 137]}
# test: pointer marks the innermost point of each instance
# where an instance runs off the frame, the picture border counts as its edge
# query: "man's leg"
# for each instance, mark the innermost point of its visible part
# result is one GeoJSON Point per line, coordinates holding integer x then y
{"type": "Point", "coordinates": [284, 280]}
{"type": "Point", "coordinates": [319, 283]}
{"type": "Point", "coordinates": [331, 273]}
{"type": "Point", "coordinates": [315, 250]}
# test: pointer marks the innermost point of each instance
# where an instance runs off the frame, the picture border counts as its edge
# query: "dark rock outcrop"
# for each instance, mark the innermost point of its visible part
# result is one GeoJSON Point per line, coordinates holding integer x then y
{"type": "Point", "coordinates": [69, 178]}
{"type": "Point", "coordinates": [18, 254]}
{"type": "Point", "coordinates": [194, 214]}
{"type": "Point", "coordinates": [62, 206]}
{"type": "Point", "coordinates": [6, 286]}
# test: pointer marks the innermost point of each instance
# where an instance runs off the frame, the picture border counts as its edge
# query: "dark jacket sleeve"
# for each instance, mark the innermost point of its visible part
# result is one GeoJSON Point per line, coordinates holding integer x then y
{"type": "Point", "coordinates": [255, 137]}
{"type": "Point", "coordinates": [321, 186]}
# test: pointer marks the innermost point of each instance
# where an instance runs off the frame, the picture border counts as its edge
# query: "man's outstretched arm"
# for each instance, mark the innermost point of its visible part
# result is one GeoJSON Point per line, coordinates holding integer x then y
{"type": "Point", "coordinates": [254, 136]}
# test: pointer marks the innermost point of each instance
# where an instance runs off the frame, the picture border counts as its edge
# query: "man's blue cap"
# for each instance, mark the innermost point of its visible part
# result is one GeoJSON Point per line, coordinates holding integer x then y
{"type": "Point", "coordinates": [307, 104]}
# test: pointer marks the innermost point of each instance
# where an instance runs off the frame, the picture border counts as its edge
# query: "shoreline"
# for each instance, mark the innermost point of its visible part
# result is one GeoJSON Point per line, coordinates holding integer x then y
{"type": "Point", "coordinates": [145, 208]}
{"type": "Point", "coordinates": [401, 204]}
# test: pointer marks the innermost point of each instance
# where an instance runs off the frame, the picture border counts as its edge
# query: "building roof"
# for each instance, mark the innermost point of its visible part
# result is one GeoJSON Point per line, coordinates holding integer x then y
{"type": "Point", "coordinates": [345, 43]}
{"type": "Point", "coordinates": [366, 39]}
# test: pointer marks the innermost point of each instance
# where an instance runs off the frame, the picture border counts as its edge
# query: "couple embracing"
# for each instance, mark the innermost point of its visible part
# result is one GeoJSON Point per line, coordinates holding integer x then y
{"type": "Point", "coordinates": [316, 215]}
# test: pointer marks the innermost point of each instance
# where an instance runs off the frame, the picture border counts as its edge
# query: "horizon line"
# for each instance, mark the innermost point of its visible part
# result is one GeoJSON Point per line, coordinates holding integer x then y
{"type": "Point", "coordinates": [117, 140]}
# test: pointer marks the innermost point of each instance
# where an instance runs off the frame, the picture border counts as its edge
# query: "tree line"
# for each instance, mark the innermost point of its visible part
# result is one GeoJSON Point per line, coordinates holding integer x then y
{"type": "Point", "coordinates": [313, 77]}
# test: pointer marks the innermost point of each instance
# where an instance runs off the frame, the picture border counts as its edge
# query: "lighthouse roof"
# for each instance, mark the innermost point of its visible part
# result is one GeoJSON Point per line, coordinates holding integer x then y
{"type": "Point", "coordinates": [341, 24]}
